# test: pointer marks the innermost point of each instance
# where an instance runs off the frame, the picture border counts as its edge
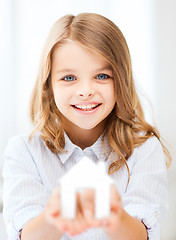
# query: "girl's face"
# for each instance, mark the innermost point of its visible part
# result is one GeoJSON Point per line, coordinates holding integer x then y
{"type": "Point", "coordinates": [83, 86]}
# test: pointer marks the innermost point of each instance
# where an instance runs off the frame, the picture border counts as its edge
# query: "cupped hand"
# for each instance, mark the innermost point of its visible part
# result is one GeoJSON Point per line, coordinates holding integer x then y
{"type": "Point", "coordinates": [111, 223]}
{"type": "Point", "coordinates": [85, 212]}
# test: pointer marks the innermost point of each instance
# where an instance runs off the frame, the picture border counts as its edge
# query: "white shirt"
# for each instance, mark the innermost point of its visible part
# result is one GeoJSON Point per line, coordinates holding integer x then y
{"type": "Point", "coordinates": [31, 171]}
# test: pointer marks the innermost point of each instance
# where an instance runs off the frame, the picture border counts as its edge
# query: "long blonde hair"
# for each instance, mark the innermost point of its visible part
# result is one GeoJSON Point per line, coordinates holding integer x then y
{"type": "Point", "coordinates": [126, 121]}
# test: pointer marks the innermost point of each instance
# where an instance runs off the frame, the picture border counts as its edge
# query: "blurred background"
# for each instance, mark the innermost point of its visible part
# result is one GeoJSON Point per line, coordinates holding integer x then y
{"type": "Point", "coordinates": [150, 31]}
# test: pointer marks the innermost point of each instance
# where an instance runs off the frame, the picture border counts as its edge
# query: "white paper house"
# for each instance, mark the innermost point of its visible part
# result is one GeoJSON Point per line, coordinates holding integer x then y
{"type": "Point", "coordinates": [86, 174]}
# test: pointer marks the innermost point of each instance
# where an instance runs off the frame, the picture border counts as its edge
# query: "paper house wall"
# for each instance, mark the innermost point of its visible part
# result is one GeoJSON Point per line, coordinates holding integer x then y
{"type": "Point", "coordinates": [86, 174]}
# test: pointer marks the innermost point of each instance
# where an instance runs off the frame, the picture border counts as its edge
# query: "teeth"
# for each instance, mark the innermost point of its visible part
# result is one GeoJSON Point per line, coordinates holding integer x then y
{"type": "Point", "coordinates": [86, 107]}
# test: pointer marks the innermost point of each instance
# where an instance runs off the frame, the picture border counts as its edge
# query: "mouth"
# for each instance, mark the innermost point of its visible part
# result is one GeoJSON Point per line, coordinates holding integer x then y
{"type": "Point", "coordinates": [88, 107]}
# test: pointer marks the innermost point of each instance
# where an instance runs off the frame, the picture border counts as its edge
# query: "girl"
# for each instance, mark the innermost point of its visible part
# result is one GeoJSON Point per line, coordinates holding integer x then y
{"type": "Point", "coordinates": [85, 103]}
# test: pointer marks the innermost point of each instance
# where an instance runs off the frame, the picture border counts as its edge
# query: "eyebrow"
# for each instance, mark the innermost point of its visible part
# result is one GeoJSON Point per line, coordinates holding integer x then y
{"type": "Point", "coordinates": [104, 68]}
{"type": "Point", "coordinates": [68, 70]}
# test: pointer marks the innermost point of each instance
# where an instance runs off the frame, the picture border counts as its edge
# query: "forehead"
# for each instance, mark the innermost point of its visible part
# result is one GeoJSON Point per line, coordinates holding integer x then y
{"type": "Point", "coordinates": [74, 53]}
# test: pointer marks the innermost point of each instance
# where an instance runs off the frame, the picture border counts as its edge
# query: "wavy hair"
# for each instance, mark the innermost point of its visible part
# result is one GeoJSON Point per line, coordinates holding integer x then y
{"type": "Point", "coordinates": [126, 121]}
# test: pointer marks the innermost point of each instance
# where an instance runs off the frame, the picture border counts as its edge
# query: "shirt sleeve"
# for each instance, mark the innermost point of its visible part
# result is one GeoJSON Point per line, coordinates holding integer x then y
{"type": "Point", "coordinates": [146, 196]}
{"type": "Point", "coordinates": [24, 195]}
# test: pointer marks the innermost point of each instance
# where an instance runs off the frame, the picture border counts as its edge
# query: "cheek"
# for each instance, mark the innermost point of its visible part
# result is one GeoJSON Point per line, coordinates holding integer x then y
{"type": "Point", "coordinates": [110, 93]}
{"type": "Point", "coordinates": [58, 97]}
{"type": "Point", "coordinates": [62, 98]}
{"type": "Point", "coordinates": [59, 100]}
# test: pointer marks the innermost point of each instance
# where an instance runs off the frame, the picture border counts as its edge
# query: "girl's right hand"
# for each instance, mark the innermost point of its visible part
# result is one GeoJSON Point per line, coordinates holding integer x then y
{"type": "Point", "coordinates": [52, 214]}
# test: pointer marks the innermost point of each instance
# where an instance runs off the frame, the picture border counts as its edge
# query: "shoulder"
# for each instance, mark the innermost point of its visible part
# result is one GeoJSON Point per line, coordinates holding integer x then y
{"type": "Point", "coordinates": [151, 145]}
{"type": "Point", "coordinates": [23, 143]}
{"type": "Point", "coordinates": [150, 153]}
{"type": "Point", "coordinates": [27, 153]}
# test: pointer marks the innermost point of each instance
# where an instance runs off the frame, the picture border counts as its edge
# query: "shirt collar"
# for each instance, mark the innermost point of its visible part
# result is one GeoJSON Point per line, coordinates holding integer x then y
{"type": "Point", "coordinates": [101, 151]}
{"type": "Point", "coordinates": [68, 149]}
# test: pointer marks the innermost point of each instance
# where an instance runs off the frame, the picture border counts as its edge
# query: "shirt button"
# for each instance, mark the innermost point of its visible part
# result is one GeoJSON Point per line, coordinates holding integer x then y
{"type": "Point", "coordinates": [9, 220]}
{"type": "Point", "coordinates": [156, 214]}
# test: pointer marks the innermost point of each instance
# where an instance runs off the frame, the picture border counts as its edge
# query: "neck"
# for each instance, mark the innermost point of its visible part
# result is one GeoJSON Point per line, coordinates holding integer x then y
{"type": "Point", "coordinates": [83, 137]}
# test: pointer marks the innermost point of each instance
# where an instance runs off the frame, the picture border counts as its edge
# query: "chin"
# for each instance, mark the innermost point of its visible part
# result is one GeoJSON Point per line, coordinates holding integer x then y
{"type": "Point", "coordinates": [88, 127]}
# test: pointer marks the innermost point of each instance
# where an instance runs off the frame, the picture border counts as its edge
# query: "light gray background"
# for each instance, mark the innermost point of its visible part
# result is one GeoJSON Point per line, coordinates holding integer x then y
{"type": "Point", "coordinates": [149, 27]}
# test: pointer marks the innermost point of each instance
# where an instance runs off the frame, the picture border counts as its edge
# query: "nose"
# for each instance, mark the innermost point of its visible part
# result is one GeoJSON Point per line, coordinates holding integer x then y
{"type": "Point", "coordinates": [85, 94]}
{"type": "Point", "coordinates": [85, 90]}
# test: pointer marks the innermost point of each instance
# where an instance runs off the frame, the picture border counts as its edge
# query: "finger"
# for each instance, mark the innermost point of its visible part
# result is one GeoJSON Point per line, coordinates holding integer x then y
{"type": "Point", "coordinates": [115, 200]}
{"type": "Point", "coordinates": [75, 226]}
{"type": "Point", "coordinates": [59, 222]}
{"type": "Point", "coordinates": [54, 204]}
{"type": "Point", "coordinates": [115, 196]}
{"type": "Point", "coordinates": [87, 203]}
{"type": "Point", "coordinates": [80, 211]}
{"type": "Point", "coordinates": [55, 197]}
{"type": "Point", "coordinates": [53, 208]}
{"type": "Point", "coordinates": [116, 208]}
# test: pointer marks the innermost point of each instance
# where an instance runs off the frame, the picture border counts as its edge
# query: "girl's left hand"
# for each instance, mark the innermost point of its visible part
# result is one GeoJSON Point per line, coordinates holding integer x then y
{"type": "Point", "coordinates": [110, 223]}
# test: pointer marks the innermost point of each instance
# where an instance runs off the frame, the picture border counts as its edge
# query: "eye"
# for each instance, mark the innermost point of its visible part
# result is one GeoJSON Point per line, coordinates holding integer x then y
{"type": "Point", "coordinates": [69, 78]}
{"type": "Point", "coordinates": [102, 76]}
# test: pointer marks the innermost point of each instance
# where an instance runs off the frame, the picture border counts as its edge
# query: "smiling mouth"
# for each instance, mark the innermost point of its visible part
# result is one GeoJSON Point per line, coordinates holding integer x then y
{"type": "Point", "coordinates": [87, 107]}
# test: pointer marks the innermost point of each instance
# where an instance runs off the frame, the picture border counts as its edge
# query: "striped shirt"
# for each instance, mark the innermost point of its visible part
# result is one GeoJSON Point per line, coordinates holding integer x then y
{"type": "Point", "coordinates": [31, 172]}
